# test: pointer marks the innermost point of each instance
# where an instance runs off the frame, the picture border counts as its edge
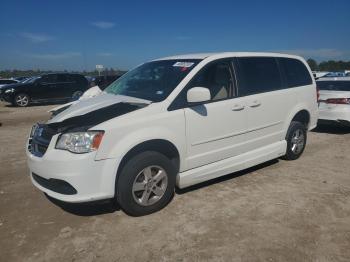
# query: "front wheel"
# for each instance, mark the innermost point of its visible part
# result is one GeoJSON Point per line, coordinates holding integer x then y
{"type": "Point", "coordinates": [21, 100]}
{"type": "Point", "coordinates": [146, 183]}
{"type": "Point", "coordinates": [296, 140]}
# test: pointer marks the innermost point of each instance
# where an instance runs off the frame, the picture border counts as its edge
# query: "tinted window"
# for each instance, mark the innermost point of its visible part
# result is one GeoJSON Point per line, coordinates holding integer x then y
{"type": "Point", "coordinates": [258, 75]}
{"type": "Point", "coordinates": [79, 80]}
{"type": "Point", "coordinates": [62, 78]}
{"type": "Point", "coordinates": [296, 73]}
{"type": "Point", "coordinates": [334, 85]}
{"type": "Point", "coordinates": [217, 78]}
{"type": "Point", "coordinates": [48, 79]}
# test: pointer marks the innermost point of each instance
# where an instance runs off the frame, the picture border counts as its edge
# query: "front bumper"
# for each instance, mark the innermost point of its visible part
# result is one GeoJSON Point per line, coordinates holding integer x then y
{"type": "Point", "coordinates": [59, 170]}
{"type": "Point", "coordinates": [6, 97]}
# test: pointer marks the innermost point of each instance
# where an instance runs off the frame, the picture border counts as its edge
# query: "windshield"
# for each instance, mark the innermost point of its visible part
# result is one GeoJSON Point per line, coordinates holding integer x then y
{"type": "Point", "coordinates": [152, 81]}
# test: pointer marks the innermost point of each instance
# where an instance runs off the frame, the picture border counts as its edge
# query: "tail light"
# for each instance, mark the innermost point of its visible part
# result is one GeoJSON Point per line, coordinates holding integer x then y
{"type": "Point", "coordinates": [318, 94]}
{"type": "Point", "coordinates": [339, 101]}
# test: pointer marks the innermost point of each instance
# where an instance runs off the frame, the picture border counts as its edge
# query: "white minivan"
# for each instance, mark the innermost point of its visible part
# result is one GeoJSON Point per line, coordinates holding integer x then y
{"type": "Point", "coordinates": [175, 121]}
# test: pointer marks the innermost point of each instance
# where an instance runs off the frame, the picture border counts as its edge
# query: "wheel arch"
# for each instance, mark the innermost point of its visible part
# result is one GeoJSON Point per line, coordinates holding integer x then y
{"type": "Point", "coordinates": [299, 113]}
{"type": "Point", "coordinates": [303, 116]}
{"type": "Point", "coordinates": [162, 146]}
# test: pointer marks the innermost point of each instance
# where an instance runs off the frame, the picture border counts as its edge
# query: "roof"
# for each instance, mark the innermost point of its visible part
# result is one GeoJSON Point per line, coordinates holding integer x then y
{"type": "Point", "coordinates": [226, 54]}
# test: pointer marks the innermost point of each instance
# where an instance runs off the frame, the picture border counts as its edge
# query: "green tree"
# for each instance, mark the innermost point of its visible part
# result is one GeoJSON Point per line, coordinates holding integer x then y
{"type": "Point", "coordinates": [313, 64]}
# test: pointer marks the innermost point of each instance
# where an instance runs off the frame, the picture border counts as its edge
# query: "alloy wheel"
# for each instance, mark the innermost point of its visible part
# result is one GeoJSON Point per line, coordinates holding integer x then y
{"type": "Point", "coordinates": [150, 185]}
{"type": "Point", "coordinates": [22, 100]}
{"type": "Point", "coordinates": [298, 141]}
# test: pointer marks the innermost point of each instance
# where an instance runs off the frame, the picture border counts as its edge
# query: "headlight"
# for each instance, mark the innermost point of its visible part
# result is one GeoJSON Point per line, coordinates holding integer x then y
{"type": "Point", "coordinates": [11, 90]}
{"type": "Point", "coordinates": [80, 142]}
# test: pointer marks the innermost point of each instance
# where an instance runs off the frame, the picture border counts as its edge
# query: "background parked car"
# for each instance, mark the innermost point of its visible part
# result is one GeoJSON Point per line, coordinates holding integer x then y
{"type": "Point", "coordinates": [334, 101]}
{"type": "Point", "coordinates": [335, 74]}
{"type": "Point", "coordinates": [45, 88]}
{"type": "Point", "coordinates": [318, 74]}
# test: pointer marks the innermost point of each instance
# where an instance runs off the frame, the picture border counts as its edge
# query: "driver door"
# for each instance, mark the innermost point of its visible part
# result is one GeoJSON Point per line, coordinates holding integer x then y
{"type": "Point", "coordinates": [216, 129]}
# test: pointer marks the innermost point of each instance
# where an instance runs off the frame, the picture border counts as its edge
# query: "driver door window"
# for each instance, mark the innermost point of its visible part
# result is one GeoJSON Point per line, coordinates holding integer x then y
{"type": "Point", "coordinates": [217, 78]}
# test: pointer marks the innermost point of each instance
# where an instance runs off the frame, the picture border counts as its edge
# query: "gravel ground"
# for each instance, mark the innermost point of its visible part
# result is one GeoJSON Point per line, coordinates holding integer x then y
{"type": "Point", "coordinates": [278, 211]}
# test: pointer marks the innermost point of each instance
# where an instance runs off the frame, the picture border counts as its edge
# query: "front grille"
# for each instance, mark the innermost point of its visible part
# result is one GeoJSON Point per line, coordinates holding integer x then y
{"type": "Point", "coordinates": [40, 140]}
{"type": "Point", "coordinates": [55, 185]}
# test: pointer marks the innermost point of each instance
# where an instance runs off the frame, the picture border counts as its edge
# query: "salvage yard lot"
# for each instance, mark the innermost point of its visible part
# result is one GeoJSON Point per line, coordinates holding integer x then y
{"type": "Point", "coordinates": [279, 211]}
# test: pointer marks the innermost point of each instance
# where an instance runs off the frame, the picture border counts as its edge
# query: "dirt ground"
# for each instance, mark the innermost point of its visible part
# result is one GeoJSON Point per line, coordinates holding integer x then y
{"type": "Point", "coordinates": [279, 211]}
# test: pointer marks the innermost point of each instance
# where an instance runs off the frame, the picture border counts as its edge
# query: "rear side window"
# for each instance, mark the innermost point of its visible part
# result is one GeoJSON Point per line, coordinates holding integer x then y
{"type": "Point", "coordinates": [62, 78]}
{"type": "Point", "coordinates": [80, 80]}
{"type": "Point", "coordinates": [258, 75]}
{"type": "Point", "coordinates": [296, 73]}
{"type": "Point", "coordinates": [334, 85]}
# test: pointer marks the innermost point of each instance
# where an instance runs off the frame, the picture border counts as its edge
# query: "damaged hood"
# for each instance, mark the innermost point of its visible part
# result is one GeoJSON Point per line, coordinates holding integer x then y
{"type": "Point", "coordinates": [91, 112]}
{"type": "Point", "coordinates": [92, 104]}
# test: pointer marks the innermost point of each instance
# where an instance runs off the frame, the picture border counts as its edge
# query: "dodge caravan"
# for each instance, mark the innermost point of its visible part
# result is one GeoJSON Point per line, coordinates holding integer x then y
{"type": "Point", "coordinates": [175, 121]}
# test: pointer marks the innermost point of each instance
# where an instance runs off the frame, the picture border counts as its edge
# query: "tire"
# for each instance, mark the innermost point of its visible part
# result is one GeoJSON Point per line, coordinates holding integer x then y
{"type": "Point", "coordinates": [76, 95]}
{"type": "Point", "coordinates": [136, 192]}
{"type": "Point", "coordinates": [21, 100]}
{"type": "Point", "coordinates": [296, 140]}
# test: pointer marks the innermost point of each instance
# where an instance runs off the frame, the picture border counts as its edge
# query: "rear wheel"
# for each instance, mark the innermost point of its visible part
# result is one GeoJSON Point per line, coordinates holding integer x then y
{"type": "Point", "coordinates": [296, 140]}
{"type": "Point", "coordinates": [21, 100]}
{"type": "Point", "coordinates": [146, 183]}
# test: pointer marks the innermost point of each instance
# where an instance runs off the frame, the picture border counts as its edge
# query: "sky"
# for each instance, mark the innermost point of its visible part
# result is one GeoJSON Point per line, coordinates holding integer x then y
{"type": "Point", "coordinates": [77, 35]}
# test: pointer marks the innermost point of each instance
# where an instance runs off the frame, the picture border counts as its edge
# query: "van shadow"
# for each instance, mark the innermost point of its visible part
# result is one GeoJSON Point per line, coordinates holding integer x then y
{"type": "Point", "coordinates": [86, 209]}
{"type": "Point", "coordinates": [225, 178]}
{"type": "Point", "coordinates": [332, 128]}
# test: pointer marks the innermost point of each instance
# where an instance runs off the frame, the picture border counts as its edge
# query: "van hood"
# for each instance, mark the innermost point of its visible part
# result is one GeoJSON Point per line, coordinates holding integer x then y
{"type": "Point", "coordinates": [91, 112]}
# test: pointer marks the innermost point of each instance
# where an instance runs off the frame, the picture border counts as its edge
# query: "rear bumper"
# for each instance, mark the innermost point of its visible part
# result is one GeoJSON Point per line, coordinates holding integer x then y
{"type": "Point", "coordinates": [339, 114]}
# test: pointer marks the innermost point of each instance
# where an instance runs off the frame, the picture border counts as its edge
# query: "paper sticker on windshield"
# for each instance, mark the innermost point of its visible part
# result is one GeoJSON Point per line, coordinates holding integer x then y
{"type": "Point", "coordinates": [183, 64]}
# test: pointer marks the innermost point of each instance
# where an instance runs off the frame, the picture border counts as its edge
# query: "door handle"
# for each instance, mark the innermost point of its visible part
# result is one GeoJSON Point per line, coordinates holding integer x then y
{"type": "Point", "coordinates": [237, 107]}
{"type": "Point", "coordinates": [255, 103]}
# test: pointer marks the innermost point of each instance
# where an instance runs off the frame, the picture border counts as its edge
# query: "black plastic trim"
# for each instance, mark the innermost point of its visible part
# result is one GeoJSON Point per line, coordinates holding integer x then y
{"type": "Point", "coordinates": [55, 185]}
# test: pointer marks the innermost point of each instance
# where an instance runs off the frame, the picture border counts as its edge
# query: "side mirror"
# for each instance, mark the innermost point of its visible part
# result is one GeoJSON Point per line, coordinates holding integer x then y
{"type": "Point", "coordinates": [198, 95]}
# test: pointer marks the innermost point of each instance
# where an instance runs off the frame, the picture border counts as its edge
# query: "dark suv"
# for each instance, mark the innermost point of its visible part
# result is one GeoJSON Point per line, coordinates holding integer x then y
{"type": "Point", "coordinates": [45, 88]}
